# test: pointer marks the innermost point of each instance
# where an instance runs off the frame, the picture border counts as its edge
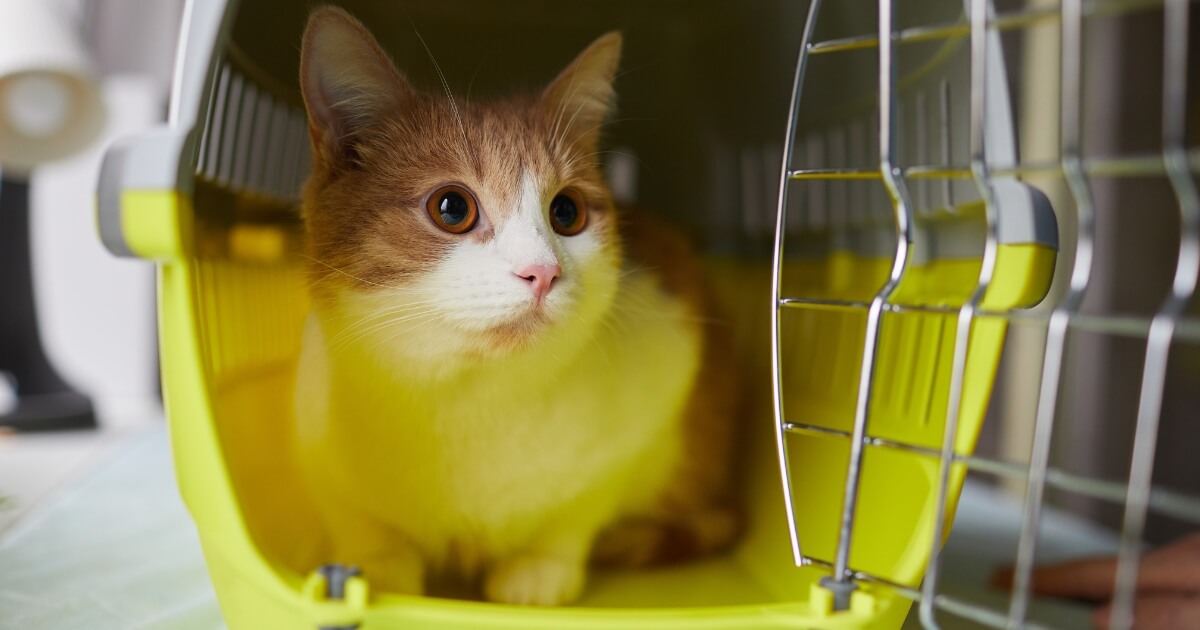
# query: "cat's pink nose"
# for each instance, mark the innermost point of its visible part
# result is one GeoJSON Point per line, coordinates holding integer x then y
{"type": "Point", "coordinates": [540, 278]}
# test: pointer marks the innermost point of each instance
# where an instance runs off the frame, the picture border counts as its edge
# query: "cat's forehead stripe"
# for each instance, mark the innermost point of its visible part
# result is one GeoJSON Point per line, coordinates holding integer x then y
{"type": "Point", "coordinates": [531, 199]}
{"type": "Point", "coordinates": [513, 151]}
{"type": "Point", "coordinates": [524, 238]}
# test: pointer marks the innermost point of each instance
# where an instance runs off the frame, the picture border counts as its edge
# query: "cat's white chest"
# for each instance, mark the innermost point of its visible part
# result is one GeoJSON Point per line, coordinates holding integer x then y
{"type": "Point", "coordinates": [491, 456]}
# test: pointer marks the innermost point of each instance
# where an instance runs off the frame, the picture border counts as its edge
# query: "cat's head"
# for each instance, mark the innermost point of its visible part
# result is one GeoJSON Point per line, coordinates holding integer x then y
{"type": "Point", "coordinates": [442, 229]}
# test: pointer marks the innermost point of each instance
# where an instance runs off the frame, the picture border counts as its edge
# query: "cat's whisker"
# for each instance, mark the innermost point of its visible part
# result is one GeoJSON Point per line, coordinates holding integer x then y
{"type": "Point", "coordinates": [352, 335]}
{"type": "Point", "coordinates": [571, 122]}
{"type": "Point", "coordinates": [354, 277]}
{"type": "Point", "coordinates": [313, 283]}
{"type": "Point", "coordinates": [449, 96]}
{"type": "Point", "coordinates": [383, 313]}
{"type": "Point", "coordinates": [631, 271]}
{"type": "Point", "coordinates": [361, 328]}
{"type": "Point", "coordinates": [403, 305]}
{"type": "Point", "coordinates": [604, 123]}
{"type": "Point", "coordinates": [474, 74]}
{"type": "Point", "coordinates": [365, 281]}
{"type": "Point", "coordinates": [341, 347]}
{"type": "Point", "coordinates": [570, 164]}
{"type": "Point", "coordinates": [559, 138]}
{"type": "Point", "coordinates": [579, 158]}
{"type": "Point", "coordinates": [606, 323]}
{"type": "Point", "coordinates": [555, 139]}
{"type": "Point", "coordinates": [427, 320]}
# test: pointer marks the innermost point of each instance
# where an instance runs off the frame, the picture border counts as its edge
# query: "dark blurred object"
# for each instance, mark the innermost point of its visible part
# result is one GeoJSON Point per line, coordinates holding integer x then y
{"type": "Point", "coordinates": [44, 401]}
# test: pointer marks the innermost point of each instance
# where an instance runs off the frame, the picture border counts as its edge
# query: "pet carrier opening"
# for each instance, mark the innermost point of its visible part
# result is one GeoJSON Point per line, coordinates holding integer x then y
{"type": "Point", "coordinates": [876, 321]}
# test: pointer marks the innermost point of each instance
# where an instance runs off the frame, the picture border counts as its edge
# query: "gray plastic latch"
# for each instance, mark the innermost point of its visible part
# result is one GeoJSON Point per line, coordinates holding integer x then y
{"type": "Point", "coordinates": [335, 579]}
{"type": "Point", "coordinates": [336, 576]}
{"type": "Point", "coordinates": [841, 592]}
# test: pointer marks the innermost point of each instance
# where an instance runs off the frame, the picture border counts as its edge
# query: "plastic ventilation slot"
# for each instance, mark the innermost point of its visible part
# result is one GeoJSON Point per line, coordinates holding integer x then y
{"type": "Point", "coordinates": [254, 141]}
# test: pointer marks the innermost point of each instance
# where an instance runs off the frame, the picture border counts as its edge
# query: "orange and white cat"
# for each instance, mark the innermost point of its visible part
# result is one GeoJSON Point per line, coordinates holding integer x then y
{"type": "Point", "coordinates": [503, 375]}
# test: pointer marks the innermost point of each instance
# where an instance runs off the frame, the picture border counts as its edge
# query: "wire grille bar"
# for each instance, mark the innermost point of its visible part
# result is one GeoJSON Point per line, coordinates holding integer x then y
{"type": "Point", "coordinates": [1109, 324]}
{"type": "Point", "coordinates": [1177, 163]}
{"type": "Point", "coordinates": [777, 282]}
{"type": "Point", "coordinates": [1011, 20]}
{"type": "Point", "coordinates": [1163, 501]}
{"type": "Point", "coordinates": [977, 463]}
{"type": "Point", "coordinates": [834, 173]}
{"type": "Point", "coordinates": [826, 305]}
{"type": "Point", "coordinates": [1126, 166]}
{"type": "Point", "coordinates": [953, 605]}
{"type": "Point", "coordinates": [932, 32]}
{"type": "Point", "coordinates": [980, 33]}
{"type": "Point", "coordinates": [979, 614]}
{"type": "Point", "coordinates": [902, 211]}
{"type": "Point", "coordinates": [1056, 334]}
{"type": "Point", "coordinates": [1165, 323]}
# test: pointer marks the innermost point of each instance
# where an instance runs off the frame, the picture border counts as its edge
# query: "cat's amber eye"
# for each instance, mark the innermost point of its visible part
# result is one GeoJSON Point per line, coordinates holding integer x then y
{"type": "Point", "coordinates": [453, 208]}
{"type": "Point", "coordinates": [568, 214]}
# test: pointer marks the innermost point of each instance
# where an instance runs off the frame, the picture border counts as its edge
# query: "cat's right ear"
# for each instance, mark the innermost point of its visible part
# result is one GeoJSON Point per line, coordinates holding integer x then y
{"type": "Point", "coordinates": [349, 84]}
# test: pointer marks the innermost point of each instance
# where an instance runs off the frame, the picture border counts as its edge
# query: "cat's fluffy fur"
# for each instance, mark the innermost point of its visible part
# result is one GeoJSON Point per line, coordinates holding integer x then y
{"type": "Point", "coordinates": [446, 420]}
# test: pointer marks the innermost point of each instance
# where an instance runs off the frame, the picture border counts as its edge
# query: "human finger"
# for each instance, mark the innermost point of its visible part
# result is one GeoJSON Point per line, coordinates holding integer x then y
{"type": "Point", "coordinates": [1156, 612]}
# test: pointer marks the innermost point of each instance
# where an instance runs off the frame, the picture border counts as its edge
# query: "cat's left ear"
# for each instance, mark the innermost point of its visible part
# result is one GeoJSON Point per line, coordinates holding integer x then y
{"type": "Point", "coordinates": [349, 84]}
{"type": "Point", "coordinates": [582, 96]}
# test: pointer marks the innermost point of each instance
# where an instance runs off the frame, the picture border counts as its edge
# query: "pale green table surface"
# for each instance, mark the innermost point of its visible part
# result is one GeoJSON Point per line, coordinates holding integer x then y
{"type": "Point", "coordinates": [115, 549]}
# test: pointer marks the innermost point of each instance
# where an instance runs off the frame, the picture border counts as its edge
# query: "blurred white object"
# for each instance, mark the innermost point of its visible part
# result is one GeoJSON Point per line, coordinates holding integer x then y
{"type": "Point", "coordinates": [96, 311]}
{"type": "Point", "coordinates": [50, 105]}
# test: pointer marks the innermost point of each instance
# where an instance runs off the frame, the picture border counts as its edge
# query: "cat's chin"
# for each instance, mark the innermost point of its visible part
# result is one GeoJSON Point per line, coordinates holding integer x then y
{"type": "Point", "coordinates": [517, 335]}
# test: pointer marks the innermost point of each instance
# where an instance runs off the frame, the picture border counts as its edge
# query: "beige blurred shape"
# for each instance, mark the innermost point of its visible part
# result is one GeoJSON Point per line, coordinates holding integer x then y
{"type": "Point", "coordinates": [50, 105]}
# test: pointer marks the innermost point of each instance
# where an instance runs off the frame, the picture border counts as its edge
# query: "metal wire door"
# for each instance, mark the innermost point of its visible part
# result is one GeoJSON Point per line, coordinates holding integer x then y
{"type": "Point", "coordinates": [911, 164]}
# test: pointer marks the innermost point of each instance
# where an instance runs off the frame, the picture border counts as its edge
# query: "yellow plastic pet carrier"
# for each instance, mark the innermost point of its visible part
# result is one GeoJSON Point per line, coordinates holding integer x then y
{"type": "Point", "coordinates": [872, 302]}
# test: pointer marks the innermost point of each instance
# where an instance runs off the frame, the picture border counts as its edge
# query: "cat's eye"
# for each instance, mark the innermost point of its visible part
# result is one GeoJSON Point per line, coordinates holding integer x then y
{"type": "Point", "coordinates": [453, 208]}
{"type": "Point", "coordinates": [568, 214]}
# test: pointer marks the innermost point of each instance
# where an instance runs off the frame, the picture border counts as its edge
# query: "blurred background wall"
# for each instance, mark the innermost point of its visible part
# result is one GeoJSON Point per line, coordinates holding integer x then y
{"type": "Point", "coordinates": [97, 311]}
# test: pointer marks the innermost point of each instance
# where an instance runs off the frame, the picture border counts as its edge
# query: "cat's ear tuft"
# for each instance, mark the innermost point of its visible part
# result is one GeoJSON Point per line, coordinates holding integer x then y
{"type": "Point", "coordinates": [348, 83]}
{"type": "Point", "coordinates": [582, 96]}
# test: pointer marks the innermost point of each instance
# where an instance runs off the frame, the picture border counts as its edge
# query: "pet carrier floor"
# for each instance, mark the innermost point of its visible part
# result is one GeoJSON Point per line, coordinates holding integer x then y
{"type": "Point", "coordinates": [115, 549]}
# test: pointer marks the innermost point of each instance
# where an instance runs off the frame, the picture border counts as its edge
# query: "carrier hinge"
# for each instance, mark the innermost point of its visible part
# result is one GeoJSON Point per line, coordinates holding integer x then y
{"type": "Point", "coordinates": [336, 576]}
{"type": "Point", "coordinates": [841, 592]}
